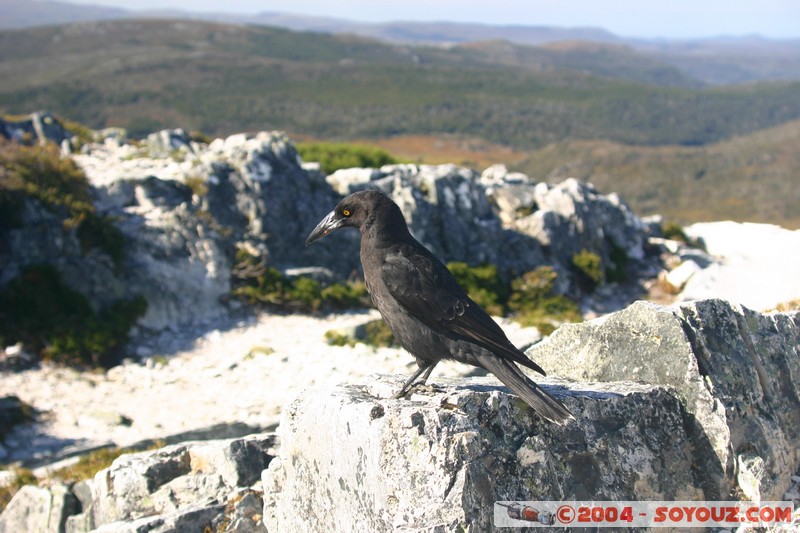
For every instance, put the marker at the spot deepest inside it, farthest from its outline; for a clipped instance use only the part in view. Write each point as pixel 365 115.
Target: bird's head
pixel 354 211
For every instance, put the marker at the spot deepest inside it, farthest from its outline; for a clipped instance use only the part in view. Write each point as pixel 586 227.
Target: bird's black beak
pixel 330 223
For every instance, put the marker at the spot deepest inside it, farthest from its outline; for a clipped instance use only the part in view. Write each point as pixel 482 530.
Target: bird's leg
pixel 410 382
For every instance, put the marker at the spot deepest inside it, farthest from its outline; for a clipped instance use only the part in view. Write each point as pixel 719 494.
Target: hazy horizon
pixel 675 19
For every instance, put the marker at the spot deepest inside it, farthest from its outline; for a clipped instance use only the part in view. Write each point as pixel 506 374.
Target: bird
pixel 430 314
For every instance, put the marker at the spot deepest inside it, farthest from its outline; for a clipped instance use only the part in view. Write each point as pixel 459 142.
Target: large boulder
pixel 439 461
pixel 735 370
pixel 712 417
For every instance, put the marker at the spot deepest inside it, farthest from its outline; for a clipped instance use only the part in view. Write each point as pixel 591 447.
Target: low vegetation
pixel 85 468
pixel 22 477
pixel 90 464
pixel 534 301
pixel 335 156
pixel 37 308
pixel 345 87
pixel 590 269
pixel 530 299
pixel 785 307
pixel 58 323
pixel 255 283
pixel 483 284
pixel 751 178
pixel 373 333
pixel 40 173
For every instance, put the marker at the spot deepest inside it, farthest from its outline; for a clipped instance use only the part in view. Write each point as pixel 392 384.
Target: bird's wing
pixel 424 287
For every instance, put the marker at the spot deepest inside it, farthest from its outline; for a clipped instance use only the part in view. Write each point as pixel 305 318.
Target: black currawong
pixel 430 314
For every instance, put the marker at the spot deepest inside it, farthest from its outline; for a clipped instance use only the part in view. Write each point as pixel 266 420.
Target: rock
pixel 41 127
pixel 713 417
pixel 439 461
pixel 191 518
pixel 182 482
pixel 243 514
pixel 38 509
pixel 731 367
pixel 184 208
pixel 509 220
pixel 16 357
pixel 680 275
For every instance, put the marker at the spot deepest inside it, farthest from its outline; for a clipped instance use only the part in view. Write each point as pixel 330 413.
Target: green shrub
pixel 39 172
pixel 197 184
pixel 674 231
pixel 199 137
pixel 530 298
pixel 377 333
pixel 350 295
pixel 39 310
pixel 82 133
pixel 100 232
pixel 332 156
pixel 337 338
pixel 373 333
pixel 590 269
pixel 257 284
pixel 483 284
pixel 535 303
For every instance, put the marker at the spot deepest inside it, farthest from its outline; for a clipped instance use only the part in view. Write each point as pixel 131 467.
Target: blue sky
pixel 629 18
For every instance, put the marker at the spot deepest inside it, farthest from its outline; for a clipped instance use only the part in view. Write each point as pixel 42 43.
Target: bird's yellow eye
pixel 346 212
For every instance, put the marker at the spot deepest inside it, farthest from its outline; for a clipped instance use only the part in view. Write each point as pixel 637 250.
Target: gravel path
pixel 244 375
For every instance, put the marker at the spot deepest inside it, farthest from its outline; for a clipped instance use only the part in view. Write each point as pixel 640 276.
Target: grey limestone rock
pixel 736 371
pixel 352 459
pixel 508 219
pixel 41 126
pixel 185 209
pixel 181 487
pixel 697 402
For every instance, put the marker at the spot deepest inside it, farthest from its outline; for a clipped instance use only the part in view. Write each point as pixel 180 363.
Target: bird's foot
pixel 420 388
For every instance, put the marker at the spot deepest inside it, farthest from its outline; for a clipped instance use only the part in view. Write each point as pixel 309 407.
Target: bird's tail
pixel 541 402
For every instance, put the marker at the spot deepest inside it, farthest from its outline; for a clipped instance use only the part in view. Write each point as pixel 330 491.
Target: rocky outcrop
pixel 510 220
pixel 194 486
pixel 185 207
pixel 439 461
pixel 39 127
pixel 183 210
pixel 713 417
pixel 691 402
pixel 734 370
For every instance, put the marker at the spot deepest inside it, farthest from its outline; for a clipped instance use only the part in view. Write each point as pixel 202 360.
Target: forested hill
pixel 219 79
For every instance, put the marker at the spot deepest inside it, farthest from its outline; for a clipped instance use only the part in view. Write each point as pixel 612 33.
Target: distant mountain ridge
pixel 146 75
pixel 713 60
